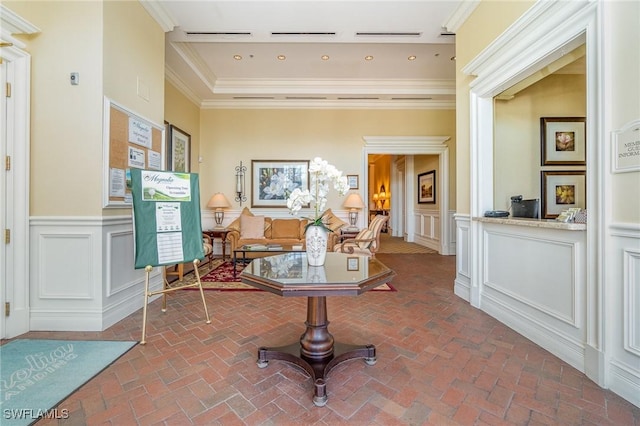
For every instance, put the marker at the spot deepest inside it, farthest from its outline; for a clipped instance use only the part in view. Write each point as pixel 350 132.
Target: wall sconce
pixel 353 203
pixel 383 196
pixel 240 173
pixel 375 201
pixel 218 202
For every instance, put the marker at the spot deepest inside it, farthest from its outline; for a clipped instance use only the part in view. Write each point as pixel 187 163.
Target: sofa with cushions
pixel 250 228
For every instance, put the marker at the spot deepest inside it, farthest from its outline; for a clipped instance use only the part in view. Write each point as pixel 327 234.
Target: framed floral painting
pixel 273 180
pixel 562 190
pixel 563 141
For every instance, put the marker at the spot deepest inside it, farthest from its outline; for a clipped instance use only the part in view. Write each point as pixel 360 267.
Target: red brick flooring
pixel 440 362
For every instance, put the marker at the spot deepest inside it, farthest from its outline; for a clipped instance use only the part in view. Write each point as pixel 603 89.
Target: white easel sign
pixel 626 146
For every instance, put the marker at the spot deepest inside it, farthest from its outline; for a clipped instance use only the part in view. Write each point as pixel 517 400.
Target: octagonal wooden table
pixel 290 275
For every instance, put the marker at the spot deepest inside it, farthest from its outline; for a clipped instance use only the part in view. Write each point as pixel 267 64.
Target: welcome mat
pixel 36 375
pixel 221 278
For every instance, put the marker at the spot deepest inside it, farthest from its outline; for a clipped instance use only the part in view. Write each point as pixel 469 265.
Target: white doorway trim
pixel 413 145
pixel 14 185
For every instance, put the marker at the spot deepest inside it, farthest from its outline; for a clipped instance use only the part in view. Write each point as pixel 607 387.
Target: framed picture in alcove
pixel 563 141
pixel 427 187
pixel 562 190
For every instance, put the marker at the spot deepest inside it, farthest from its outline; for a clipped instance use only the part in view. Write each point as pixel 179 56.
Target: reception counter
pixel 531 274
pixel 534 223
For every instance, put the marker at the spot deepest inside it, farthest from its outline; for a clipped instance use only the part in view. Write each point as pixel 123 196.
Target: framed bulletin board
pixel 130 141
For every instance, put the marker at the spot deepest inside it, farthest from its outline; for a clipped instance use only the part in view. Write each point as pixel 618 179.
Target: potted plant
pixel 321 176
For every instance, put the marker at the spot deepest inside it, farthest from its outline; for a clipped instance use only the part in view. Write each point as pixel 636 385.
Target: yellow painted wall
pixel 486 23
pixel 134 59
pixel 66 120
pixel 517 164
pixel 426 163
pixel 624 89
pixel 179 111
pixel 231 136
pixel 109 44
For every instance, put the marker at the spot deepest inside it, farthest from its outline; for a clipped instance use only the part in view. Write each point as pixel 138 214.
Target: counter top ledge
pixel 534 223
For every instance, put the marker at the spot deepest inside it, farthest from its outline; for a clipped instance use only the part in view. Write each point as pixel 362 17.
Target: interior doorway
pixel 402 217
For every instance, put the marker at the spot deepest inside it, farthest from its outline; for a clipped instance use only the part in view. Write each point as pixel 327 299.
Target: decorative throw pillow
pixel 235 225
pixel 285 228
pixel 332 221
pixel 251 227
pixel 365 234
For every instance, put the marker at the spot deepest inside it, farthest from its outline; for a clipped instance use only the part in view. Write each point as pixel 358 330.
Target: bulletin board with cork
pixel 130 141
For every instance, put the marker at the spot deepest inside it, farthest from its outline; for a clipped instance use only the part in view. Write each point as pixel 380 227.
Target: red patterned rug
pixel 221 278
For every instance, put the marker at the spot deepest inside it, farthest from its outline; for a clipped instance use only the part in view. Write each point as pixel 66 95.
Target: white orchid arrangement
pixel 322 175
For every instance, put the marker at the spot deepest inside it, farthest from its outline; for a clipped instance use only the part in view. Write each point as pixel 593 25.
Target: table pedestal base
pixel 317 369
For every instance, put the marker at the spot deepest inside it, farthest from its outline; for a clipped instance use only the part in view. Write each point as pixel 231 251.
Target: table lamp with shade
pixel 382 195
pixel 218 202
pixel 375 201
pixel 353 202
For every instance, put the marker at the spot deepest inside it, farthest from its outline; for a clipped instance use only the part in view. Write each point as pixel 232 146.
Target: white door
pixel 3 196
pixel 14 191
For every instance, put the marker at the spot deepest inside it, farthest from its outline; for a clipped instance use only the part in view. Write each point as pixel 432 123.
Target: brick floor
pixel 440 362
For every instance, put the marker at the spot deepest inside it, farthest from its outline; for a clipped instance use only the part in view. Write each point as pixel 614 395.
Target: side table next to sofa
pixel 219 233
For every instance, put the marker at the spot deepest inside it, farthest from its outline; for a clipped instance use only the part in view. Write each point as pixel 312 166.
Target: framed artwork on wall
pixel 562 190
pixel 273 180
pixel 352 180
pixel 563 141
pixel 179 150
pixel 427 187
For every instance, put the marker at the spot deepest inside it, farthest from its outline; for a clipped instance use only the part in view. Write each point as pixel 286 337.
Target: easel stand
pixel 166 289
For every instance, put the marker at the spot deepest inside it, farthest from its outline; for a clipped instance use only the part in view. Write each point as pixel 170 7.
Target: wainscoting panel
pixel 623 307
pixel 534 280
pixel 539 273
pixel 462 285
pixel 61 276
pixel 427 228
pixel 121 275
pixel 81 273
pixel 123 291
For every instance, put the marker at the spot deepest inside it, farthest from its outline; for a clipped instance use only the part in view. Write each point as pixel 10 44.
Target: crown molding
pixel 11 24
pixel 534 41
pixel 334 86
pixel 324 104
pixel 177 82
pixel 460 15
pixel 159 14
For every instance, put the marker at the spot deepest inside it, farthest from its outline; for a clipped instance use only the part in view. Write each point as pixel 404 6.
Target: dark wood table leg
pixel 224 245
pixel 317 353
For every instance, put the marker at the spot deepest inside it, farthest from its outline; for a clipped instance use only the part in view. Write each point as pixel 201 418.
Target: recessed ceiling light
pixel 368 58
pixel 412 57
pixel 325 57
pixel 237 57
pixel 281 57
pixel 436 55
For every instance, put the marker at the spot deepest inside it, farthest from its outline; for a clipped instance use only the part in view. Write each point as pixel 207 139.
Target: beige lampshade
pixel 218 201
pixel 354 201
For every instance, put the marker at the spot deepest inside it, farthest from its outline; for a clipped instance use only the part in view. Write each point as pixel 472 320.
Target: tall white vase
pixel 316 245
